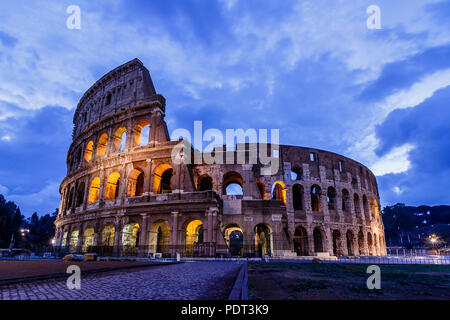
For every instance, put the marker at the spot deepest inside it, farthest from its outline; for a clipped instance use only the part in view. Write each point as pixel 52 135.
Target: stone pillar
pixel 143 236
pixel 175 246
pixel 290 216
pixel 101 196
pixel 148 177
pixel 86 193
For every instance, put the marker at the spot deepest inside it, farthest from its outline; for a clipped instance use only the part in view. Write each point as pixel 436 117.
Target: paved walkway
pixel 186 281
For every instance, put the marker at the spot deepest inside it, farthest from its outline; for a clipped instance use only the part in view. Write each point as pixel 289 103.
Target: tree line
pixel 28 233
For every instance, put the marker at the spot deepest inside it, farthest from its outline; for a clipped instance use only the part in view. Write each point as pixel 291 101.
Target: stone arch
pixel 315 198
pixel 234 179
pixel 261 189
pixel 88 151
pixel 163 179
pixel 337 248
pixel 205 183
pixel 142 133
pixel 80 194
pixel 159 237
pixel 362 249
pixel 350 243
pixel 102 145
pixel 120 139
pixel 296 173
pixel 234 237
pixel 345 201
pixel 108 235
pixel 369 244
pixel 112 186
pixel 136 182
pixel 130 235
pixel 301 241
pixel 193 233
pixel 263 239
pixel 357 205
pixel 331 198
pixel 88 238
pixel 74 235
pixel 371 208
pixel 279 191
pixel 94 190
pixel 297 196
pixel 366 208
pixel 318 236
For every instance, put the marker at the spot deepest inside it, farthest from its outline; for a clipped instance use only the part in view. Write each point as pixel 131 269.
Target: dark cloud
pixel 427 127
pixel 7 40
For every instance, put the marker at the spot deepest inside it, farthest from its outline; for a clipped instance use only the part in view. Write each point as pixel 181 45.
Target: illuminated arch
pixel 162 179
pixel 102 144
pixel 112 186
pixel 263 239
pixel 88 151
pixel 130 235
pixel 88 239
pixel 94 190
pixel 136 183
pixel 159 238
pixel 119 139
pixel 142 133
pixel 108 234
pixel 279 191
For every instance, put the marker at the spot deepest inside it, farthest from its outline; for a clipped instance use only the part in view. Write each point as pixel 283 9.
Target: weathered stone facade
pixel 124 193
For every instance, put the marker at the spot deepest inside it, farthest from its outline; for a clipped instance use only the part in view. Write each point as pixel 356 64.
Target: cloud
pixel 396 161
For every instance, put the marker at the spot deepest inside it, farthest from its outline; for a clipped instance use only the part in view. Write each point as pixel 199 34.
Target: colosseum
pixel 125 195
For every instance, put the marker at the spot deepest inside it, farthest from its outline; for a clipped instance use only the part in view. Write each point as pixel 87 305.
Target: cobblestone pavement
pixel 186 281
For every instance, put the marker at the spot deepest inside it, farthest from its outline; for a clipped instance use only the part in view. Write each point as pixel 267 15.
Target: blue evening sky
pixel 309 68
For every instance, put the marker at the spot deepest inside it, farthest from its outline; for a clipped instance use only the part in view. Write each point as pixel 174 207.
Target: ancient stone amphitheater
pixel 125 195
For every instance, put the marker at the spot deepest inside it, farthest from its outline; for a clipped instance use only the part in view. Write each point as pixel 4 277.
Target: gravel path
pixel 186 281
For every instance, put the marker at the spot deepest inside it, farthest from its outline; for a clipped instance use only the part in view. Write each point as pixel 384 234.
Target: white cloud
pixel 3 190
pixel 396 161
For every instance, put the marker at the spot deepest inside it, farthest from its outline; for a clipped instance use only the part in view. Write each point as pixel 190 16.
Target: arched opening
pixel 205 183
pixel 301 241
pixel 108 235
pixel 337 250
pixel 315 198
pixel 88 239
pixel 263 240
pixel 297 196
pixel 362 250
pixel 69 199
pixel 80 194
pixel 376 209
pixel 318 242
pixel 194 234
pixel 135 183
pixel 369 244
pixel 142 133
pixel 112 186
pixel 101 145
pixel 357 205
pixel 372 208
pixel 74 240
pixel 232 184
pixel 296 173
pixel 159 237
pixel 234 237
pixel 261 189
pixel 94 190
pixel 130 235
pixel 88 151
pixel 331 198
pixel 279 191
pixel 162 179
pixel 366 208
pixel 64 239
pixel 345 201
pixel 120 139
pixel 350 248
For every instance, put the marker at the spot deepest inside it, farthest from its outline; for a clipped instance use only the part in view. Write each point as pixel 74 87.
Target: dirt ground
pixel 14 269
pixel 306 281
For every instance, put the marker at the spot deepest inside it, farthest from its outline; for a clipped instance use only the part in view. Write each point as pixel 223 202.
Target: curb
pixel 239 291
pixel 9 281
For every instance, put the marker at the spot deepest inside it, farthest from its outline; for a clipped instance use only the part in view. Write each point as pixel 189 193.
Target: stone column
pixel 175 246
pixel 148 177
pixel 143 235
